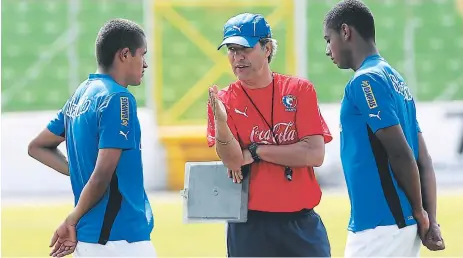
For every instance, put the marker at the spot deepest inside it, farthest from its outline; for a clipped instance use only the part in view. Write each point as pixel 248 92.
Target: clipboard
pixel 210 196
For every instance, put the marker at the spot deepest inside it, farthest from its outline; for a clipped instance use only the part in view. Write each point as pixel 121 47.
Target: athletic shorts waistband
pixel 253 214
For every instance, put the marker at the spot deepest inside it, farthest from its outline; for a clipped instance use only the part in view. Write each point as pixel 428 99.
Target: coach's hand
pixel 236 175
pixel 64 241
pixel 220 113
pixel 422 218
pixel 433 240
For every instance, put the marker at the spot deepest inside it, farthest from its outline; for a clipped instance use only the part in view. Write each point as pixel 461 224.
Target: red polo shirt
pixel 295 116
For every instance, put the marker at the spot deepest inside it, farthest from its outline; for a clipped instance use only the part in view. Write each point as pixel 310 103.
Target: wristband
pixel 253 150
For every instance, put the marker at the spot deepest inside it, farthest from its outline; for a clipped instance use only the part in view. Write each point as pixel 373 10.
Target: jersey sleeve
pixel 309 120
pixel 116 123
pixel 56 125
pixel 211 126
pixel 418 128
pixel 376 103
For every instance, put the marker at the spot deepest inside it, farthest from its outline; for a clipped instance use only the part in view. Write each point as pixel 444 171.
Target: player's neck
pixel 260 81
pixel 363 51
pixel 117 77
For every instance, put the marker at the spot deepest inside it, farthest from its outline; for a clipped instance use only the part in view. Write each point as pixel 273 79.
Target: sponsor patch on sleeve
pixel 124 111
pixel 369 96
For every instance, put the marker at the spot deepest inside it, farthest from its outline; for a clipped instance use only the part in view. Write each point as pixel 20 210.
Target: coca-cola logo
pixel 284 132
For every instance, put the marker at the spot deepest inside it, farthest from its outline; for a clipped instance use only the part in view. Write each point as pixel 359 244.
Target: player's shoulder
pixel 377 69
pixel 367 72
pixel 108 96
pixel 371 75
pixel 115 89
pixel 112 90
pixel 102 85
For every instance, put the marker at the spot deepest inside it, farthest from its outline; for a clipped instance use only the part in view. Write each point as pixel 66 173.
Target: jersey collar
pixel 96 76
pixel 371 58
pixel 99 76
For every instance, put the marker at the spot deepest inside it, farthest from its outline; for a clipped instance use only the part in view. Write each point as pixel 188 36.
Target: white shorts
pixel 115 248
pixel 384 241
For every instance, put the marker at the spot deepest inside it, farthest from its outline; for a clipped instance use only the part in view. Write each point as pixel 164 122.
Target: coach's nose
pixel 238 56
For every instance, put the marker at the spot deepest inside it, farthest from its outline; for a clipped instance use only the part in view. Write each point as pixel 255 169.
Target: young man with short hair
pixel 99 122
pixel 384 156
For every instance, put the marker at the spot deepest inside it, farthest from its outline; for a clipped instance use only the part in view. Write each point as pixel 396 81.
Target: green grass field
pixel 26 231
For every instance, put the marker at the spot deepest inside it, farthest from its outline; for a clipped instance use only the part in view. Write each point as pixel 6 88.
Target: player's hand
pixel 64 240
pixel 247 157
pixel 433 240
pixel 423 223
pixel 218 108
pixel 236 175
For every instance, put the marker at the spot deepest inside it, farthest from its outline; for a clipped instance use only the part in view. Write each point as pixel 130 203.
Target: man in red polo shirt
pixel 272 123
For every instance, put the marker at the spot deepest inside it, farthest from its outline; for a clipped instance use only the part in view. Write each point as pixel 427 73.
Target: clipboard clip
pixel 184 193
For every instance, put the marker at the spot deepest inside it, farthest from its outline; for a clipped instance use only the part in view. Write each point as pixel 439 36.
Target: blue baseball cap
pixel 245 29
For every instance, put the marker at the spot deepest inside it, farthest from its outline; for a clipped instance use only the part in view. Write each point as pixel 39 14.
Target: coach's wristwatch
pixel 253 150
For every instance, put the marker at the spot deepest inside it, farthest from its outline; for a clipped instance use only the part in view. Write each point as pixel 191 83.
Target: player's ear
pixel 345 31
pixel 124 54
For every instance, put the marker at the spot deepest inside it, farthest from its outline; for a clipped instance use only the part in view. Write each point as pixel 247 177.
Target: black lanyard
pixel 270 126
pixel 288 170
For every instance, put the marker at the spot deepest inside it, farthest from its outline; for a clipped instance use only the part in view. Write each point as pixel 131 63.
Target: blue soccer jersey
pixel 376 97
pixel 103 114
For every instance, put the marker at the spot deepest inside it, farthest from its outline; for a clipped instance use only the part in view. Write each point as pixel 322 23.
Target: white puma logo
pixel 375 115
pixel 242 112
pixel 124 134
pixel 237 28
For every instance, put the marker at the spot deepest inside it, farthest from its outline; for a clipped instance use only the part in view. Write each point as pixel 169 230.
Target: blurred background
pixel 48 49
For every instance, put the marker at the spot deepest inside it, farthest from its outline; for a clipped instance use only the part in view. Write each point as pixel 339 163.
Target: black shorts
pixel 300 234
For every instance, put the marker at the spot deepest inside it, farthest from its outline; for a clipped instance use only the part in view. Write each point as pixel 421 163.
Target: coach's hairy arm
pixel 44 148
pixel 227 147
pixel 98 183
pixel 308 152
pixel 403 164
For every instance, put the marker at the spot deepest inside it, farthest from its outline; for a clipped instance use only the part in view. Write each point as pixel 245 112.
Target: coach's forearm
pixel 408 177
pixel 299 154
pixel 51 157
pixel 230 153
